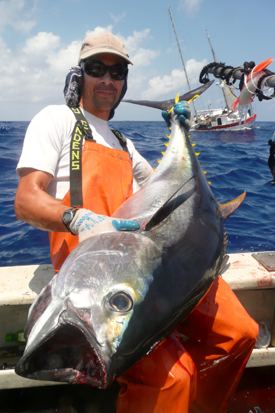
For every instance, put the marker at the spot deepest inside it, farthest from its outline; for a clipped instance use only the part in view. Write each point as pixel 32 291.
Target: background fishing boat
pixel 224 118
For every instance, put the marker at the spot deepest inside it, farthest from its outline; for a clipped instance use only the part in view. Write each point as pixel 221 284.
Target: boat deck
pixel 253 283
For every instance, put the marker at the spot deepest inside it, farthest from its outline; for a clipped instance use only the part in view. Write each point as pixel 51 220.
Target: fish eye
pixel 121 302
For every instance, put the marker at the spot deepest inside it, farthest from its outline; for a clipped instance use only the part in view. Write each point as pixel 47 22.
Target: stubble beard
pixel 106 105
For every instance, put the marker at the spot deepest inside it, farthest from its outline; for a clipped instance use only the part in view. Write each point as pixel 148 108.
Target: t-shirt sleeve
pixel 142 170
pixel 43 142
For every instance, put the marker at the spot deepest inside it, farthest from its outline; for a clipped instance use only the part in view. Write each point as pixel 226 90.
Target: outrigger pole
pixel 236 74
pixel 231 74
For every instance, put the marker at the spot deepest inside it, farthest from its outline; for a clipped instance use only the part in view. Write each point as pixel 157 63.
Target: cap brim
pixel 93 52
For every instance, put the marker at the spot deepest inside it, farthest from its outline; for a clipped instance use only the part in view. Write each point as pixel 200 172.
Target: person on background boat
pixel 74 173
pixel 271 159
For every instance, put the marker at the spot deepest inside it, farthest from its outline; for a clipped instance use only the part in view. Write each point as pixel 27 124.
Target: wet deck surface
pixel 59 399
pixel 256 388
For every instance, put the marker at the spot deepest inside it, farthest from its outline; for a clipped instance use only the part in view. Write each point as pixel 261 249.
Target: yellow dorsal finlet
pixel 205 172
pixel 197 153
pixel 176 101
pixel 193 144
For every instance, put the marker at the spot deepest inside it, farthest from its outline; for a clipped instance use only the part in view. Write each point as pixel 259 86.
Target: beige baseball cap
pixel 102 43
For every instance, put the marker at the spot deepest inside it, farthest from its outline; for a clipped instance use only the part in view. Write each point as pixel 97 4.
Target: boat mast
pixel 172 20
pixel 229 97
pixel 212 50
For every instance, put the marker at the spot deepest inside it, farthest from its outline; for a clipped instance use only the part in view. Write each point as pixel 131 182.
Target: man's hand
pixel 182 109
pixel 86 223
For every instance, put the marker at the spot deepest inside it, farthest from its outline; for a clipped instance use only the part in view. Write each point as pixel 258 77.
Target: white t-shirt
pixel 47 147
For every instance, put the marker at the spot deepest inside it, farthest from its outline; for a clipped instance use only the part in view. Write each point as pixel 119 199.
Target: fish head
pixel 75 335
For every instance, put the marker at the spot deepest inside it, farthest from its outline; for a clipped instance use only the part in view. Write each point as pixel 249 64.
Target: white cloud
pixel 191 6
pixel 165 86
pixel 139 55
pixel 99 29
pixel 41 44
pixel 36 71
pixel 61 60
pixel 33 75
pixel 15 13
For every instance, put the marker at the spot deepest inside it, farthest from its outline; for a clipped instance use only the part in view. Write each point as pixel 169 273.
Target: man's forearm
pixel 34 206
pixel 40 210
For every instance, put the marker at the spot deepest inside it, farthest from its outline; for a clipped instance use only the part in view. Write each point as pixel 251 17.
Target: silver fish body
pixel 119 294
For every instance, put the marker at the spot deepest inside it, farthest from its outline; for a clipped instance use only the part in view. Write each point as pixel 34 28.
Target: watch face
pixel 68 216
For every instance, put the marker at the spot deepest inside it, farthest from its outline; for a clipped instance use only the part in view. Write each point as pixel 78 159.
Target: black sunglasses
pixel 96 68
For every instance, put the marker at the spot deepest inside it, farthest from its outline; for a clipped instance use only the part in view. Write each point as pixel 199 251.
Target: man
pixel 48 197
pixel 271 159
pixel 44 164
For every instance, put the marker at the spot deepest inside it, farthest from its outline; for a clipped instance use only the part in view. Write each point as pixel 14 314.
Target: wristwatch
pixel 68 216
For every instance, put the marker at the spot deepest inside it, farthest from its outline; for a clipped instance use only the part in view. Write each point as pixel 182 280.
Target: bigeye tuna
pixel 119 294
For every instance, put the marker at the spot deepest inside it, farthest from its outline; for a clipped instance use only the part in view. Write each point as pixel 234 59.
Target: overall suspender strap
pixel 81 129
pixel 121 140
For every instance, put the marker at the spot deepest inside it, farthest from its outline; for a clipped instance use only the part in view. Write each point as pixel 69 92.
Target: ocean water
pixel 235 162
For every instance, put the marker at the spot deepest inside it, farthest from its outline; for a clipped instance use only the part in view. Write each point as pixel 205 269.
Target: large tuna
pixel 119 294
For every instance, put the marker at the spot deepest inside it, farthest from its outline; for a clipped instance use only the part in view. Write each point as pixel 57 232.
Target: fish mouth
pixel 65 356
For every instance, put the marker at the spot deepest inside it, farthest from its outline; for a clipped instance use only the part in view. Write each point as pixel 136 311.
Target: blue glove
pixel 86 223
pixel 182 109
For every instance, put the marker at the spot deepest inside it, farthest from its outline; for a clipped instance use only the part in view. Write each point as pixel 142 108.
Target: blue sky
pixel 40 41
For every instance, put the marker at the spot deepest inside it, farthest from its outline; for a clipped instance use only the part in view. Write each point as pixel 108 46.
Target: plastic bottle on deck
pixel 17 337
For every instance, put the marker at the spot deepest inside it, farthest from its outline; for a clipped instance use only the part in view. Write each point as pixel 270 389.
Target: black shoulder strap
pixel 81 129
pixel 121 140
pixel 82 122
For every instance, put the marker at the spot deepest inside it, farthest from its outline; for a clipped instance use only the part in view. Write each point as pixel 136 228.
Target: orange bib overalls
pixel 107 183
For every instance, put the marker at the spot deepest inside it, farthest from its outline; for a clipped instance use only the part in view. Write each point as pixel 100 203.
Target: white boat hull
pixel 225 122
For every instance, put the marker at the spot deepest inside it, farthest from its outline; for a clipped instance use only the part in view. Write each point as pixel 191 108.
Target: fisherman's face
pixel 100 94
